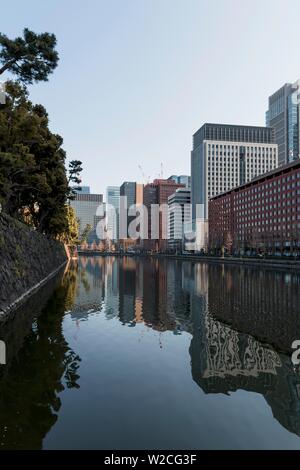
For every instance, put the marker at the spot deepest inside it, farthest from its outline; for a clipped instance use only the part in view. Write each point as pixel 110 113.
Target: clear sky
pixel 137 78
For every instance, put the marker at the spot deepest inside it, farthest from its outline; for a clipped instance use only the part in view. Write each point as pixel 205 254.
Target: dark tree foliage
pixel 34 185
pixel 33 180
pixel 75 168
pixel 31 57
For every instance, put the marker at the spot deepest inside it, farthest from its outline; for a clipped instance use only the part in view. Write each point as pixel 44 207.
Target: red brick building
pixel 157 193
pixel 261 216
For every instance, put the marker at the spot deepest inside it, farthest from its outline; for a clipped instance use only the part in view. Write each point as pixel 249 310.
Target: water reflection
pixel 40 366
pixel 224 361
pixel 181 297
pixel 200 299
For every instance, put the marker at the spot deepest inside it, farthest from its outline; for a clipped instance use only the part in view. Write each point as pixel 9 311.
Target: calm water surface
pixel 153 354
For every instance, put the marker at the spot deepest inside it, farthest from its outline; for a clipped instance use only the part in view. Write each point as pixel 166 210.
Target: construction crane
pixel 160 175
pixel 146 180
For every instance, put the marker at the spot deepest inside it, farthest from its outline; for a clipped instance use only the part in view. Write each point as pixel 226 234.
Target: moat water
pixel 139 353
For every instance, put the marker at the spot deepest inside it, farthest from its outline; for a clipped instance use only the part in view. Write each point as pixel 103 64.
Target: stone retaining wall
pixel 27 259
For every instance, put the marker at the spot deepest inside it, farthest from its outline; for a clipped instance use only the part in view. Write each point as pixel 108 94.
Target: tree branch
pixel 7 65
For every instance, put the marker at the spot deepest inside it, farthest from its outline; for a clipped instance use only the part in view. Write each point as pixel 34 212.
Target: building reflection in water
pixel 196 299
pixel 202 300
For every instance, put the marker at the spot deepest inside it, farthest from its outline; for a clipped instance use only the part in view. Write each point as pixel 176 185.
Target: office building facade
pixel 157 194
pixel 89 210
pixel 181 179
pixel 128 189
pixel 131 194
pixel 113 210
pixel 283 115
pixel 178 215
pixel 262 215
pixel 225 156
pixel 150 198
pixel 127 199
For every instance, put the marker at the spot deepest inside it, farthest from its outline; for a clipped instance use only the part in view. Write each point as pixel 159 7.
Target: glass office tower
pixel 283 115
pixel 113 199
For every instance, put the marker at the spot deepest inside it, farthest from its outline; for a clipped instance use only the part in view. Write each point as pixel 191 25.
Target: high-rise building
pixel 181 179
pixel 283 115
pixel 81 189
pixel 150 198
pixel 225 156
pixel 179 214
pixel 127 195
pixel 128 189
pixel 139 194
pixel 157 193
pixel 88 212
pixel 131 194
pixel 113 209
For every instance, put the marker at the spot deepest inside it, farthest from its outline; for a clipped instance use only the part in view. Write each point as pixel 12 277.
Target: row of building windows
pixel 247 148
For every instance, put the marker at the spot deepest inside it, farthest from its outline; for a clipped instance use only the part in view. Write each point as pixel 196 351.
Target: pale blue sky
pixel 138 77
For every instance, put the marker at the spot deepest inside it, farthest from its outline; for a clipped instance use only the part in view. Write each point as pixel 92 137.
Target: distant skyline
pixel 137 78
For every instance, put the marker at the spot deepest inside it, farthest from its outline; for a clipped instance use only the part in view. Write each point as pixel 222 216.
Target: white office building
pixel 225 156
pixel 179 213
